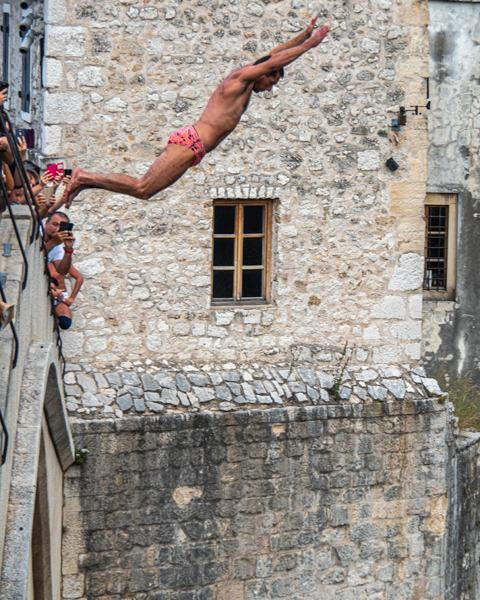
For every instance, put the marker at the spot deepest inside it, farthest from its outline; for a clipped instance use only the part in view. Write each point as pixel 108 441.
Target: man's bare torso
pixel 223 111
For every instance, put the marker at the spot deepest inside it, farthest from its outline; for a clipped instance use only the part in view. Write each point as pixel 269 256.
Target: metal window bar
pixel 436 248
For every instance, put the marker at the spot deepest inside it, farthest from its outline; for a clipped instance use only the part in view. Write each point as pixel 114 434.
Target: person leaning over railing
pixel 58 244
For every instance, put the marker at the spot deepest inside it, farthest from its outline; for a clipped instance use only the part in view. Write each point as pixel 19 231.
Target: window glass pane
pixel 223 252
pixel 224 220
pixel 253 251
pixel 223 284
pixel 252 284
pixel 253 219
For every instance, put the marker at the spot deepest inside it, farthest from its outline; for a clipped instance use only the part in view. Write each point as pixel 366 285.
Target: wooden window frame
pixel 238 267
pixel 450 200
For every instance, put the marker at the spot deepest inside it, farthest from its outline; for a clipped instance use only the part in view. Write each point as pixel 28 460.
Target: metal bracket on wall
pixel 7 250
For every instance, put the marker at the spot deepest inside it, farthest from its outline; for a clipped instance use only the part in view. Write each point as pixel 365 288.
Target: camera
pixel 65 226
pixel 24 4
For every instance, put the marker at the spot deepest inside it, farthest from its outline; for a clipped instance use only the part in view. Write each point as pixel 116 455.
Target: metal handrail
pixel 12 327
pixel 15 227
pixel 5 447
pixel 36 231
pixel 17 159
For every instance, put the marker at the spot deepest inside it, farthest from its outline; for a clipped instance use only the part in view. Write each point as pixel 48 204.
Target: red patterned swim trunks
pixel 188 136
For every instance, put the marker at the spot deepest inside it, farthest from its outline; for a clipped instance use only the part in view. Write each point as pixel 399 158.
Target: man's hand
pixel 3 96
pixel 60 237
pixel 319 35
pixel 57 181
pixel 68 301
pixel 22 146
pixel 310 28
pixel 46 178
pixel 69 241
pixel 40 200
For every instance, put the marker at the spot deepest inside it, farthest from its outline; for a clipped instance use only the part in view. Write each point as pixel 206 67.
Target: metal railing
pixel 37 231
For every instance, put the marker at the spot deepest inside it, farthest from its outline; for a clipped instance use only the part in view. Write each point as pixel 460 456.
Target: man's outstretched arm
pixel 299 39
pixel 281 59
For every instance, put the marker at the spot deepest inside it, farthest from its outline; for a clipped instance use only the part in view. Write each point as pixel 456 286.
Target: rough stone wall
pixel 337 502
pixel 463 520
pixel 451 336
pixel 122 76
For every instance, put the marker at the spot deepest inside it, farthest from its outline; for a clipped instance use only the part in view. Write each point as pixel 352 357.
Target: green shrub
pixel 465 396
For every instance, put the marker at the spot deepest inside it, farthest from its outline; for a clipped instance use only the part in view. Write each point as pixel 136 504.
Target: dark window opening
pixel 6 46
pixel 436 247
pixel 25 93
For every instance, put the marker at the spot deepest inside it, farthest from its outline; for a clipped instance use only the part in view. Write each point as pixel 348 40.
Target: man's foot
pixel 74 187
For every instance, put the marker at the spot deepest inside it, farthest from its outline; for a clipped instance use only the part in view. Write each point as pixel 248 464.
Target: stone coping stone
pixel 147 388
pixel 272 416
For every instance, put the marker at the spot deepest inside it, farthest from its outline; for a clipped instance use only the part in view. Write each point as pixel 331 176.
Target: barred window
pixel 440 234
pixel 436 247
pixel 241 249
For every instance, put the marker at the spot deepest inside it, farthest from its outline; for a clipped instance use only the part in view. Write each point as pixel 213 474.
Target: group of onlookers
pixel 66 281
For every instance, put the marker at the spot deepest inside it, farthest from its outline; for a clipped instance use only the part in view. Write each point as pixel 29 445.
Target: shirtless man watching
pixel 187 146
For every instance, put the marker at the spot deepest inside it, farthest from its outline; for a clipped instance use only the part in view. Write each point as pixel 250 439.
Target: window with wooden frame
pixel 241 251
pixel 440 246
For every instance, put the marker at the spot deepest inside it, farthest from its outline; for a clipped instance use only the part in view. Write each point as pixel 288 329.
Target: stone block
pixel 64 108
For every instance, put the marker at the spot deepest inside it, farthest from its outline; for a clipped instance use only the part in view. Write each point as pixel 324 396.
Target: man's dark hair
pixel 264 59
pixel 54 281
pixel 59 212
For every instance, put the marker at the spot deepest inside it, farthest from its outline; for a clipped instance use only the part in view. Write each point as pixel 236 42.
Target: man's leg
pixel 168 167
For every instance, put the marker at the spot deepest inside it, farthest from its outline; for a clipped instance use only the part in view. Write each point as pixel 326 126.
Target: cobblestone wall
pixel 348 233
pixel 342 502
pixel 153 388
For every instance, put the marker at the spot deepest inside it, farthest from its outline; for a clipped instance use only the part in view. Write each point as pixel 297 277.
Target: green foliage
pixel 80 456
pixel 465 396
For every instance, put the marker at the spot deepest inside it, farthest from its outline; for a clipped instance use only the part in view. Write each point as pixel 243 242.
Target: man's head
pixel 266 82
pixel 17 196
pixel 52 224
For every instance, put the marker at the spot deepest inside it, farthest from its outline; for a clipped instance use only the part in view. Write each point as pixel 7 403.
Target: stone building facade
pixel 347 233
pixel 450 330
pixel 281 445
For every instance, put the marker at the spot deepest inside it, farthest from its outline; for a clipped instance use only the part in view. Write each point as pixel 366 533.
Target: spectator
pixel 59 244
pixel 62 308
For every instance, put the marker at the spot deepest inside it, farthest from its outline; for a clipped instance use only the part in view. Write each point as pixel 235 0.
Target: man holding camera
pixel 59 241
pixel 187 146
